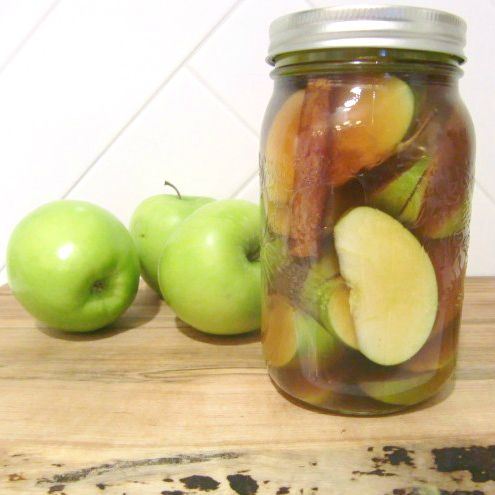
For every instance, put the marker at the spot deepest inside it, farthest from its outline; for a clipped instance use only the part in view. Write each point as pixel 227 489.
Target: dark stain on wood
pixel 375 472
pixel 393 456
pixel 314 463
pixel 173 492
pixel 57 464
pixel 201 483
pixel 397 455
pixel 101 486
pixel 56 488
pixel 283 490
pixel 478 461
pixel 242 484
pixel 168 480
pixel 81 474
pixel 16 477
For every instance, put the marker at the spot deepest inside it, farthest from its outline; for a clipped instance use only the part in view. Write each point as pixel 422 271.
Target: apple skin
pixel 209 272
pixel 73 266
pixel 152 223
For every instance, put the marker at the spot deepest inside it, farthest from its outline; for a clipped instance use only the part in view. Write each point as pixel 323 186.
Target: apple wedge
pixel 317 348
pixel 325 296
pixel 371 119
pixel 287 332
pixel 335 312
pixel 402 196
pixel 393 288
pixel 278 332
pixel 280 150
pixel 410 390
pixel 319 273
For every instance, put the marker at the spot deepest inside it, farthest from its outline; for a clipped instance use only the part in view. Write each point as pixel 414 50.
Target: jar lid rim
pixel 377 26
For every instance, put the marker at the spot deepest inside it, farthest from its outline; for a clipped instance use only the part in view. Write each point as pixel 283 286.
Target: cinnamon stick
pixel 311 170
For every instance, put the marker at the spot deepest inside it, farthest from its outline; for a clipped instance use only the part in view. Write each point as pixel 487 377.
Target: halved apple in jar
pixel 371 118
pixel 393 293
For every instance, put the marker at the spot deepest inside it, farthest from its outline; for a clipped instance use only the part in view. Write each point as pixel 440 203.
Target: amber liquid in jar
pixel 366 179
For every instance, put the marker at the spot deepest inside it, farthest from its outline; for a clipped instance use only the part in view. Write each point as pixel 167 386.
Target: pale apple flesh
pixel 335 312
pixel 393 288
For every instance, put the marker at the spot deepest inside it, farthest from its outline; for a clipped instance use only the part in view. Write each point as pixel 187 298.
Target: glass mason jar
pixel 366 168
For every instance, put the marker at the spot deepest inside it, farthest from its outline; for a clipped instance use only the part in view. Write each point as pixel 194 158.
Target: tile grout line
pixel 28 36
pixel 152 96
pixel 219 97
pixel 485 192
pixel 234 112
pixel 244 184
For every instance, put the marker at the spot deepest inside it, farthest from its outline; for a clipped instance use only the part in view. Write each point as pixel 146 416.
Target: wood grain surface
pixel 151 406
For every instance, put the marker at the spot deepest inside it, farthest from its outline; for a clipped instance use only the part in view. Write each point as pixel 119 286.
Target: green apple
pixel 73 265
pixel 151 225
pixel 393 287
pixel 209 272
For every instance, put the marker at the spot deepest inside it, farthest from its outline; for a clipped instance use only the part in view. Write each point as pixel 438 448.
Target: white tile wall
pixel 104 99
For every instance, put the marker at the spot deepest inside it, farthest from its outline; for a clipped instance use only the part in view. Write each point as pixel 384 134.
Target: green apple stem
pixel 167 183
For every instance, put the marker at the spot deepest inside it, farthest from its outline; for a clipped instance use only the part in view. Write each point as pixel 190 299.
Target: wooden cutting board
pixel 151 406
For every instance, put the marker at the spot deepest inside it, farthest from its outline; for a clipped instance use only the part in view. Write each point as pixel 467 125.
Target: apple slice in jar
pixel 278 332
pixel 408 390
pixel 402 196
pixel 433 195
pixel 317 347
pixel 279 158
pixel 372 117
pixel 288 332
pixel 393 288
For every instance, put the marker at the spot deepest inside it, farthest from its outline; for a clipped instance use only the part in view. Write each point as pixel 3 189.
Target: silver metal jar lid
pixel 378 26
